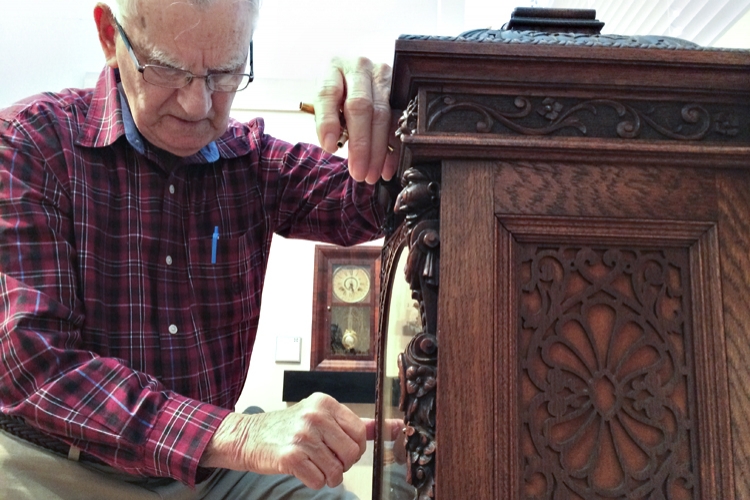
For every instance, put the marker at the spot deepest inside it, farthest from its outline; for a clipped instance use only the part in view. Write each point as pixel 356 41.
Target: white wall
pixel 46 45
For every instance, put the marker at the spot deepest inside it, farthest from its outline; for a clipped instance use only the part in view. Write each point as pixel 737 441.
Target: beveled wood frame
pixel 708 349
pixel 327 257
pixel 394 245
pixel 496 241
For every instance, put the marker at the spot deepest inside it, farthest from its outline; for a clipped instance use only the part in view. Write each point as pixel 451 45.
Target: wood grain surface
pixel 605 191
pixel 466 357
pixel 734 241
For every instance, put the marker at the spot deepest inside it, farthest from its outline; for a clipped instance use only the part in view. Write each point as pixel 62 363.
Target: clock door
pixel 345 307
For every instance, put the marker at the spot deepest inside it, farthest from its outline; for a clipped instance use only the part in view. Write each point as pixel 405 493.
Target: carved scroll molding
pixel 606 118
pixel 419 203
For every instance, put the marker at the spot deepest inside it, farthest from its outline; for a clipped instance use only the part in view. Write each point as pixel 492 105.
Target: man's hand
pixel 316 440
pixel 360 89
pixel 393 431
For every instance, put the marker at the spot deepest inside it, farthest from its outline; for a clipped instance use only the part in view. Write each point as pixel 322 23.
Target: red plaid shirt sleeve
pixel 118 331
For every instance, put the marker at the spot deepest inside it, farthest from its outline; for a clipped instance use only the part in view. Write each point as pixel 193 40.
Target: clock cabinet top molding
pixel 570 96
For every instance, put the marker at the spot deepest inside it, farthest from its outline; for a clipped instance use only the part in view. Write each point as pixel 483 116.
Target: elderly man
pixel 135 225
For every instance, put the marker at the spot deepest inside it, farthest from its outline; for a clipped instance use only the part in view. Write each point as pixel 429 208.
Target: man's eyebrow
pixel 156 56
pixel 232 66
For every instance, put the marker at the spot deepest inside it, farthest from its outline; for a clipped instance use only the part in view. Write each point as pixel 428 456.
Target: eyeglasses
pixel 173 78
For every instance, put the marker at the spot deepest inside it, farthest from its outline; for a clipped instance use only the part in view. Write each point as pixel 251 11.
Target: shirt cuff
pixel 179 437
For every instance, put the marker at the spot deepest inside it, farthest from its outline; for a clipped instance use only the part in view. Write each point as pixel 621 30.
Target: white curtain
pixel 699 21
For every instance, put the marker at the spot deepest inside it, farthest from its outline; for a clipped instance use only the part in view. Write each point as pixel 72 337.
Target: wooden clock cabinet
pixel 574 226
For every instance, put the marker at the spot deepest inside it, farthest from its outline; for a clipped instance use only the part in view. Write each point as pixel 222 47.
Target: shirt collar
pixel 103 124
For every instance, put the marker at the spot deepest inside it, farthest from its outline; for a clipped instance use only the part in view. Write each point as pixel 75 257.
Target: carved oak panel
pixel 618 374
pixel 607 394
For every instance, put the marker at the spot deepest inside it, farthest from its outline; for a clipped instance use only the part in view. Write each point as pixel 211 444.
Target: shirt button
pixel 171 188
pixel 169 260
pixel 172 329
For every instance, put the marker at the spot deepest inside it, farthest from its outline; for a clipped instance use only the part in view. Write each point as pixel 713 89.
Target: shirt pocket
pixel 219 286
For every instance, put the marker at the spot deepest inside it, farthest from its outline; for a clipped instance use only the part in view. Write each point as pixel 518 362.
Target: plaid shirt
pixel 118 332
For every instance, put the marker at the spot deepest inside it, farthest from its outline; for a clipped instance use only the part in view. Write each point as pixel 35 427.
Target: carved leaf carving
pixel 419 204
pixel 625 120
pixel 576 39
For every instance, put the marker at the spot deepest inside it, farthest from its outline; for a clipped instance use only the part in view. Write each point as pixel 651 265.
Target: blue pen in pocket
pixel 214 242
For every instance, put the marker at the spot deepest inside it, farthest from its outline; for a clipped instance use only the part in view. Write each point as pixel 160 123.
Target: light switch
pixel 288 349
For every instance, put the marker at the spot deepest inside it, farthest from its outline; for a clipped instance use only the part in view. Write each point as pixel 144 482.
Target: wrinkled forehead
pixel 167 27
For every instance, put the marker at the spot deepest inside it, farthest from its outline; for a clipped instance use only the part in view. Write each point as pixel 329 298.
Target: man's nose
pixel 195 98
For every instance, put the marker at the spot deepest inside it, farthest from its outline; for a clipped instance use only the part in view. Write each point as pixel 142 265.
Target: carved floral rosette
pixel 419 203
pixel 608 408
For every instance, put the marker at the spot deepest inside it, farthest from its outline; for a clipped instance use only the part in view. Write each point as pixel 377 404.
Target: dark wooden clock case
pixel 577 208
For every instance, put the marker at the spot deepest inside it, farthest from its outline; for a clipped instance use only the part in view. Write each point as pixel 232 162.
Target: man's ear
pixel 105 26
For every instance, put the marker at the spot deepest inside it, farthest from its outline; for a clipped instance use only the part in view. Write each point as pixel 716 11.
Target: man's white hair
pixel 127 9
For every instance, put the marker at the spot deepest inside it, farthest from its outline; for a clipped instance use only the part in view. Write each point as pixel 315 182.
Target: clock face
pixel 351 283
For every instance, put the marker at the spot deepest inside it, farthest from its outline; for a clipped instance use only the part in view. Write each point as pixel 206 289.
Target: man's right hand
pixel 316 440
pixel 361 89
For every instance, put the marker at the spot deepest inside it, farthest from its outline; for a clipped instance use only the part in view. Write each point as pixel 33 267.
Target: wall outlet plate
pixel 288 349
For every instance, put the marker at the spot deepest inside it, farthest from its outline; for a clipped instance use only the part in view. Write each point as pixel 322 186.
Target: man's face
pixel 199 40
